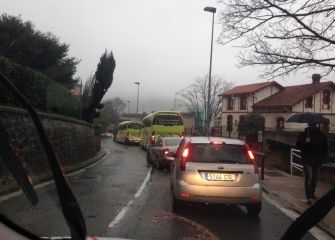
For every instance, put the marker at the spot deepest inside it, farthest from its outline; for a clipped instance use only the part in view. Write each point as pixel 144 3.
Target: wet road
pixel 121 197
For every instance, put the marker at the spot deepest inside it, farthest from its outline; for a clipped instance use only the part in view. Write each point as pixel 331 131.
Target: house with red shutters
pixel 276 103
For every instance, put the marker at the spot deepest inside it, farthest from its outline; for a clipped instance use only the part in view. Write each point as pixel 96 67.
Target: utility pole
pixel 138 93
pixel 212 10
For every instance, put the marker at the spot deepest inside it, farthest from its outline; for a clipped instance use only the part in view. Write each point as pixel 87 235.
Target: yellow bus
pixel 128 132
pixel 161 123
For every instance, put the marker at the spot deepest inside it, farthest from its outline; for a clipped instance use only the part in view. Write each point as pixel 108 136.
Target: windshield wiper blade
pixel 311 216
pixel 8 156
pixel 68 202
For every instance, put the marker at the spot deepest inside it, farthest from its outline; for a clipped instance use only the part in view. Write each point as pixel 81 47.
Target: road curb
pixel 321 224
pixel 13 191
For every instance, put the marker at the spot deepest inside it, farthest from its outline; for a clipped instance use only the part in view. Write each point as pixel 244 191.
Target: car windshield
pixel 218 153
pixel 105 107
pixel 172 141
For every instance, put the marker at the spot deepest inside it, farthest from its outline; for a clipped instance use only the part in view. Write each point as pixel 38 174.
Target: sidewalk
pixel 289 192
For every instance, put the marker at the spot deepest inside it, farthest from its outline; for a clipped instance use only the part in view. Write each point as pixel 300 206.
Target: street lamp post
pixel 212 10
pixel 138 93
pixel 128 103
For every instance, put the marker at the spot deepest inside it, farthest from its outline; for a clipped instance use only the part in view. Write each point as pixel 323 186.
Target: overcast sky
pixel 163 44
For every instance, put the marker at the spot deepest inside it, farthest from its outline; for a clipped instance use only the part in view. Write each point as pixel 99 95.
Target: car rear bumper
pixel 166 161
pixel 218 194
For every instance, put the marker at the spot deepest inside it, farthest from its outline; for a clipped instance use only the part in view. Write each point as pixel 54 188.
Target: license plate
pixel 220 177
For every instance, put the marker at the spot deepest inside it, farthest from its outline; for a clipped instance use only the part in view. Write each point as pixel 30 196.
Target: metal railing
pixel 298 165
pixel 328 164
pixel 293 164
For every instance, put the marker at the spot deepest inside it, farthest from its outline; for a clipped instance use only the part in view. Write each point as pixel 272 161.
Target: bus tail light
pixel 153 138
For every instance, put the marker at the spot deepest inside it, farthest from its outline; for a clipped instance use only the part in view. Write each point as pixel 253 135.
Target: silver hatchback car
pixel 215 170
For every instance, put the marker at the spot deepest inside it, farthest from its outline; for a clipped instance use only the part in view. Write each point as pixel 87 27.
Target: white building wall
pixel 271 122
pixel 333 101
pixel 236 112
pixel 299 107
pixel 317 101
pixel 326 111
pixel 317 104
pixel 250 102
pixel 271 118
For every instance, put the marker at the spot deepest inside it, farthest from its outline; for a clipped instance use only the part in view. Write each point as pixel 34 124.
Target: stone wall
pixel 72 140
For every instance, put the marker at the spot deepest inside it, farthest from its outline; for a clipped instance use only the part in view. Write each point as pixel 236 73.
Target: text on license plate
pixel 220 177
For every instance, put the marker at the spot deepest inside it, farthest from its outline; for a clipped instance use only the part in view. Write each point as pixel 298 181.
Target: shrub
pixel 43 93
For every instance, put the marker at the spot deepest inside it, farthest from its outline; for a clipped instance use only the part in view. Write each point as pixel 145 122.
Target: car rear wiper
pixel 68 202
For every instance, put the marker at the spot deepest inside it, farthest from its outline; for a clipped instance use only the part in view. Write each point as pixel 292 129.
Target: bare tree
pixel 284 36
pixel 195 95
pixel 114 107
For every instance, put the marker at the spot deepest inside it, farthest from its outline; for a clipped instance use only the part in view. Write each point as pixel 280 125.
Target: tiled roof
pixel 290 96
pixel 250 88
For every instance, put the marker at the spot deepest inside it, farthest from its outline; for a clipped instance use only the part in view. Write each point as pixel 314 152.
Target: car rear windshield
pixel 172 142
pixel 167 120
pixel 218 153
pixel 134 126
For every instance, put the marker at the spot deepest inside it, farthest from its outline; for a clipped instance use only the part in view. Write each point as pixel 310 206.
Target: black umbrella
pixel 307 117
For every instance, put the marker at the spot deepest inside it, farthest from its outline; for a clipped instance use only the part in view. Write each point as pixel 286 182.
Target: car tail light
pixel 185 152
pixel 184 158
pixel 153 138
pixel 185 195
pixel 165 151
pixel 251 158
pixel 251 155
pixel 254 198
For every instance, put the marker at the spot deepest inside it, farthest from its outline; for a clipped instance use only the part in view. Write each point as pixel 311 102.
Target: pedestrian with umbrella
pixel 314 149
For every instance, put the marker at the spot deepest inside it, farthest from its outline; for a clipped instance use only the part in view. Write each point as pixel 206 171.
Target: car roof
pixel 233 141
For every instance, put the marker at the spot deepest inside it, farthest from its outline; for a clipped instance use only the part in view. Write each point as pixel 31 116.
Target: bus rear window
pixel 167 120
pixel 134 126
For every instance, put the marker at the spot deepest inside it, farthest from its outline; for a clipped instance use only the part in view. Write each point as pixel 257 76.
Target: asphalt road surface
pixel 122 197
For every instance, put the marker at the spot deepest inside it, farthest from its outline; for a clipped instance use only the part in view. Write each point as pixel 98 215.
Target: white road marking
pixel 121 214
pixel 140 190
pixel 125 209
pixel 315 231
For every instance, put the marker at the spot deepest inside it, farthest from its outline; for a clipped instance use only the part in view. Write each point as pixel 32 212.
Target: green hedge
pixel 42 92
